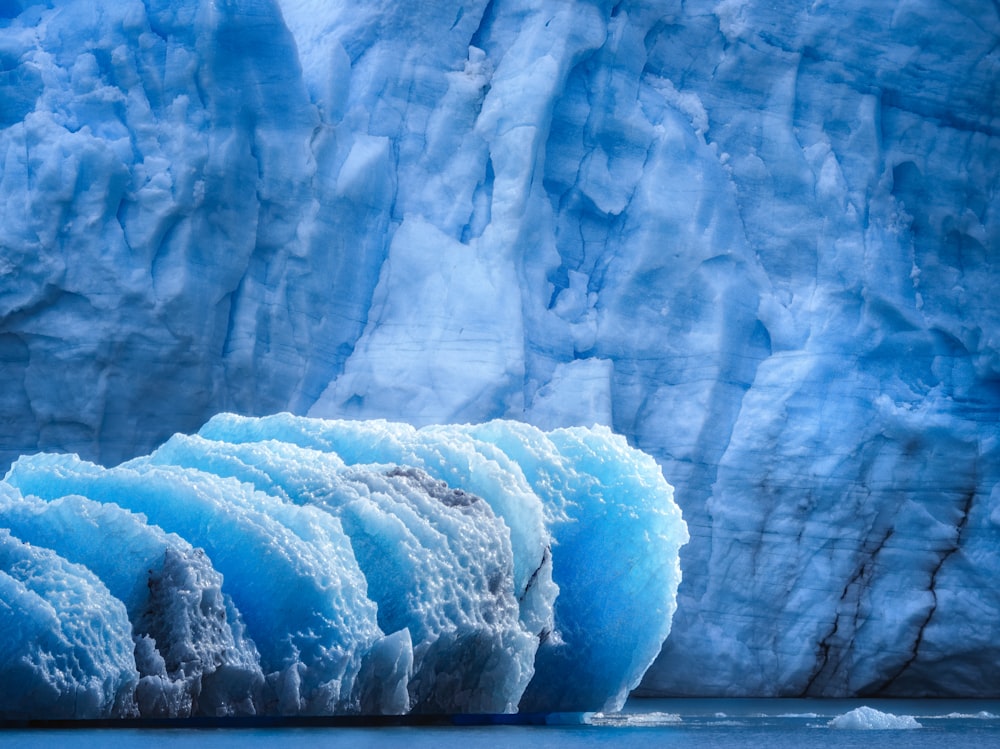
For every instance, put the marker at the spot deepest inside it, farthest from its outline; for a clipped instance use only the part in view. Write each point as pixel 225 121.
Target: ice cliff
pixel 759 239
pixel 297 566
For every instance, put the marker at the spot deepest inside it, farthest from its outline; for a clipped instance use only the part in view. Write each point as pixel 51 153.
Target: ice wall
pixel 756 238
pixel 289 566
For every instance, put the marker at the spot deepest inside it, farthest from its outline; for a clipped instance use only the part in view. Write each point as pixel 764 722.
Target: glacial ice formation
pixel 757 237
pixel 297 566
pixel 866 718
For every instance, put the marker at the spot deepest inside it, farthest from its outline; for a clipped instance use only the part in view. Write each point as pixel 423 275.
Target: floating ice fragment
pixel 627 720
pixel 981 715
pixel 868 719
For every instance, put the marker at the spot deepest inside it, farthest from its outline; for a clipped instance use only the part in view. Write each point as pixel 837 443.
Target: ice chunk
pixel 598 500
pixel 385 674
pixel 869 719
pixel 630 720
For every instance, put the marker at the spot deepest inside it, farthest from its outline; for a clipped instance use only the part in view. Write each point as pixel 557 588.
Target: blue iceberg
pixel 294 566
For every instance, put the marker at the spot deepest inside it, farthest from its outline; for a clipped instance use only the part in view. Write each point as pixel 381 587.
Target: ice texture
pixel 290 570
pixel 437 561
pixel 287 565
pixel 555 491
pixel 191 653
pixel 757 238
pixel 65 641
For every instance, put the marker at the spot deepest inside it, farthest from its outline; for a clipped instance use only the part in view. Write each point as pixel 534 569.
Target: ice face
pixel 66 644
pixel 437 561
pixel 756 238
pixel 571 497
pixel 290 570
pixel 590 480
pixel 446 454
pixel 192 656
pixel 284 566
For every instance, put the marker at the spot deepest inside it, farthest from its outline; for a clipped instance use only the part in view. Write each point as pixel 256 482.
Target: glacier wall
pixel 294 566
pixel 757 238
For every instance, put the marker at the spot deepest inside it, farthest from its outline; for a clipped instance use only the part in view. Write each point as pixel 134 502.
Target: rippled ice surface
pixel 692 724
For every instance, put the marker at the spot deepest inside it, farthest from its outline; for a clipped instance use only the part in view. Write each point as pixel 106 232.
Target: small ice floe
pixel 981 715
pixel 798 715
pixel 628 720
pixel 868 718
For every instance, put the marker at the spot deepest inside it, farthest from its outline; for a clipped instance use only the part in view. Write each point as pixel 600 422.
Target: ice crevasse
pixel 294 566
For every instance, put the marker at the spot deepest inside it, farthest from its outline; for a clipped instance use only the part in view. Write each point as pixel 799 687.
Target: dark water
pixel 692 724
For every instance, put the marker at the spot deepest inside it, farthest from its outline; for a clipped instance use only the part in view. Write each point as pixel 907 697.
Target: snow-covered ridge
pixel 757 238
pixel 295 566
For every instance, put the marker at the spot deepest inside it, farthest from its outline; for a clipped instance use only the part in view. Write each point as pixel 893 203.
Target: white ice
pixel 869 719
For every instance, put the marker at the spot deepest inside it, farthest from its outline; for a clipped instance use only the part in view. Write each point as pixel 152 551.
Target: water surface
pixel 692 724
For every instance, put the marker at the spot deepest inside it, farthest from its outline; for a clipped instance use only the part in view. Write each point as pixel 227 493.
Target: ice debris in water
pixel 296 566
pixel 981 715
pixel 627 720
pixel 868 718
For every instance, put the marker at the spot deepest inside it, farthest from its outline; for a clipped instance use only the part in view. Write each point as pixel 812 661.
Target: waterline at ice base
pixel 292 566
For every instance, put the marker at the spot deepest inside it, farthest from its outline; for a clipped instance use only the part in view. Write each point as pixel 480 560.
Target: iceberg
pixel 757 238
pixel 297 566
pixel 866 718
